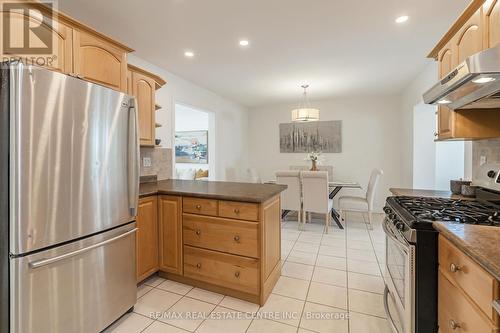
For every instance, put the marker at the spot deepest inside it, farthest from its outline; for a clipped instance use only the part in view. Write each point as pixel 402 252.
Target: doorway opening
pixel 194 143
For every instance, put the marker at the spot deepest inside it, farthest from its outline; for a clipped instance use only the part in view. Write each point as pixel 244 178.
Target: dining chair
pixel 362 204
pixel 291 198
pixel 315 195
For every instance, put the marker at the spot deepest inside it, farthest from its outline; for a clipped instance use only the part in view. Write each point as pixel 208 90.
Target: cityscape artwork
pixel 318 136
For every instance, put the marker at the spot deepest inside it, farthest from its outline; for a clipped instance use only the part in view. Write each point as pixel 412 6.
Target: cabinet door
pixel 470 37
pixel 492 24
pixel 98 61
pixel 445 115
pixel 170 214
pixel 147 237
pixel 144 91
pixel 60 58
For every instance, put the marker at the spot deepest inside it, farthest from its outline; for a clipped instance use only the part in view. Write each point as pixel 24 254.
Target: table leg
pixel 334 192
pixel 335 217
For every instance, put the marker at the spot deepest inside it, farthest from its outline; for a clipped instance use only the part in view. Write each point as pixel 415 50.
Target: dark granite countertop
pixel 247 192
pixel 481 243
pixel 410 192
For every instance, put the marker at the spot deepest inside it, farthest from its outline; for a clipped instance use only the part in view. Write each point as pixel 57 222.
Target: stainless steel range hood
pixel 474 84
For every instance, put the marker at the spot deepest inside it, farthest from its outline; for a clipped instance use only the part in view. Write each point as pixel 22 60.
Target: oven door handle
pixel 387 312
pixel 389 234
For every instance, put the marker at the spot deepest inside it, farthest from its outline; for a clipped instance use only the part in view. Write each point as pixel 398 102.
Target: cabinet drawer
pixel 230 271
pixel 200 206
pixel 239 210
pixel 236 237
pixel 456 314
pixel 478 284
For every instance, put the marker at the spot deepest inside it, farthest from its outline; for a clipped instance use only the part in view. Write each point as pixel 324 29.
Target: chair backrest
pixel 327 168
pixel 253 176
pixel 315 191
pixel 291 197
pixel 372 186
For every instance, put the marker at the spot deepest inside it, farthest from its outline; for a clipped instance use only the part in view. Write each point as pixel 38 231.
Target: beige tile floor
pixel 335 275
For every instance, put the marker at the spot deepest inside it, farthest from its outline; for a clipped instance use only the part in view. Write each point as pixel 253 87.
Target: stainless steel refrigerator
pixel 69 159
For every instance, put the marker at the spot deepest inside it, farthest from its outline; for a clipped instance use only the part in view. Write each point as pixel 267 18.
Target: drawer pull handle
pixel 237 274
pixel 237 239
pixel 236 211
pixel 198 232
pixel 198 265
pixel 198 207
pixel 454 325
pixel 455 268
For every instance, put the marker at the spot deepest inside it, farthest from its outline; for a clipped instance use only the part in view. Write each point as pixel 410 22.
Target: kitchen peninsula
pixel 220 236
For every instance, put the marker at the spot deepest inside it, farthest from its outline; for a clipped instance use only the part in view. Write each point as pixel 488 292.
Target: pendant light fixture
pixel 305 112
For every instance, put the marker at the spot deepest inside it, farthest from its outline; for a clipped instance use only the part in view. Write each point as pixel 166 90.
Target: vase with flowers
pixel 315 158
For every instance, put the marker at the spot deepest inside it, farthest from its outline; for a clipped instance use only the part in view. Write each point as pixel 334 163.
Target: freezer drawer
pixel 79 287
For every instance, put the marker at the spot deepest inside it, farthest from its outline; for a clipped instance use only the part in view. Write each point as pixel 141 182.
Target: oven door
pixel 400 280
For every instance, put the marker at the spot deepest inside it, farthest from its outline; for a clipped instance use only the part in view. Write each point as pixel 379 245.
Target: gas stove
pixel 412 247
pixel 419 212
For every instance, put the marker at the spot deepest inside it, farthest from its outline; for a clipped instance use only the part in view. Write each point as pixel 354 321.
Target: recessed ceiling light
pixel 402 19
pixel 444 101
pixel 482 80
pixel 244 42
pixel 189 54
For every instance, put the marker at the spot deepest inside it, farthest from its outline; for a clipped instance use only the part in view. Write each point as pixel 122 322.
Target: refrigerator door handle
pixel 45 262
pixel 133 158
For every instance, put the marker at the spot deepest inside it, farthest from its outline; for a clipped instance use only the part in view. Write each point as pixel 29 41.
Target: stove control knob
pixel 387 210
pixel 492 174
pixel 400 226
pixel 392 216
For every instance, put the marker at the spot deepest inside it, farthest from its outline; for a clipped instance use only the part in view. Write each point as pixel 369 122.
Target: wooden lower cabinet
pixel 466 293
pixel 147 237
pixel 229 247
pixel 170 233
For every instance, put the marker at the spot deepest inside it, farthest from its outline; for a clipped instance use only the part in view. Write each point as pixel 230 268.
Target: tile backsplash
pixel 489 148
pixel 161 162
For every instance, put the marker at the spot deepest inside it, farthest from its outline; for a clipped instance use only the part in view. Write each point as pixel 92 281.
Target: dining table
pixel 334 187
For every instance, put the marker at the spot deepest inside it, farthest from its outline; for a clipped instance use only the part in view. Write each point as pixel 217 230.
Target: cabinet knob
pixel 436 134
pixel 198 232
pixel 237 238
pixel 236 211
pixel 198 265
pixel 454 325
pixel 237 274
pixel 455 268
pixel 198 207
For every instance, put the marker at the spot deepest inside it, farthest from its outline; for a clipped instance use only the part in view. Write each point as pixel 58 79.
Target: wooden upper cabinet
pixel 99 61
pixel 144 91
pixel 170 225
pixel 147 237
pixel 59 58
pixel 143 85
pixel 470 38
pixel 492 24
pixel 447 63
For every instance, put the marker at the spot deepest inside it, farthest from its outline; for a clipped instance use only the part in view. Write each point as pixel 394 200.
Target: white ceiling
pixel 340 47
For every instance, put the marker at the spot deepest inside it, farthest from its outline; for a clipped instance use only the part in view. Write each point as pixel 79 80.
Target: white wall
pixel 411 97
pixel 231 118
pixel 424 147
pixel 371 135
